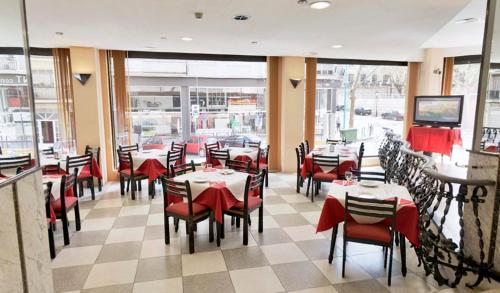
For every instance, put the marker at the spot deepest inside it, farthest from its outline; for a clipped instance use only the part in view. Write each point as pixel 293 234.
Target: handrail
pixel 456 180
pixel 19 176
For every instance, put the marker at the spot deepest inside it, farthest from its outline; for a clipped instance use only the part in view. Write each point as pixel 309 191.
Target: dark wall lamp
pixel 82 77
pixel 295 82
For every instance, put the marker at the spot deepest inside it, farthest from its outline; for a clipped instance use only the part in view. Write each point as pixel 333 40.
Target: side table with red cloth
pixel 434 140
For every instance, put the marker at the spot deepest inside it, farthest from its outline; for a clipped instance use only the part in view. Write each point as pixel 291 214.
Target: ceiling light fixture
pixel 467 20
pixel 254 42
pixel 163 38
pixel 241 17
pixel 59 33
pixel 337 46
pixel 320 4
pixel 186 39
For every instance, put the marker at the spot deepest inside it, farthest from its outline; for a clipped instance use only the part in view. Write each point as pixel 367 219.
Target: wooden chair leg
pixel 267 178
pixel 232 221
pixel 128 185
pixel 211 228
pixel 167 229
pixel 133 187
pixel 332 243
pixel 386 250
pixel 344 256
pixel 191 237
pixel 222 232
pixel 261 219
pixel 313 189
pixel 99 184
pixel 219 229
pixel 80 187
pixel 176 224
pixel 245 230
pixel 122 185
pixel 90 182
pixel 237 222
pixel 78 224
pixel 52 246
pixel 65 228
pixel 139 186
pixel 297 188
pixel 390 267
pixel 249 221
pixel 308 185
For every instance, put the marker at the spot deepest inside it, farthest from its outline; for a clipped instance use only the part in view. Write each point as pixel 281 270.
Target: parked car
pixel 362 111
pixel 339 107
pixel 196 144
pixel 393 115
pixel 238 140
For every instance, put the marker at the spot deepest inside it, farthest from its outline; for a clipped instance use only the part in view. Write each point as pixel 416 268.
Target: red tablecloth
pixel 434 140
pixel 308 166
pixel 406 218
pixel 152 168
pixel 96 170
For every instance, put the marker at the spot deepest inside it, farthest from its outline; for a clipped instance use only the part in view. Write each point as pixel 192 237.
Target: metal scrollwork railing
pixel 446 238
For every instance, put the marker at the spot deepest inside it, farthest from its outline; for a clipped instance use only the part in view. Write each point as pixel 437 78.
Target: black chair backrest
pixel 252 144
pixel 375 208
pixel 79 162
pixel 212 146
pixel 174 156
pixel 179 146
pixel 129 148
pixel 68 182
pixel 96 151
pixel 174 188
pixel 370 175
pixel 49 151
pixel 47 191
pixel 306 144
pixel 1 152
pixel 219 154
pixel 15 162
pixel 176 170
pixel 265 153
pixel 125 161
pixel 240 166
pixel 361 154
pixel 302 151
pixel 332 141
pixel 299 158
pixel 331 162
pixel 254 183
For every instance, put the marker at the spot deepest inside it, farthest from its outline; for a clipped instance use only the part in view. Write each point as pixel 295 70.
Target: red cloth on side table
pixel 218 198
pixel 153 168
pixel 434 140
pixel 406 218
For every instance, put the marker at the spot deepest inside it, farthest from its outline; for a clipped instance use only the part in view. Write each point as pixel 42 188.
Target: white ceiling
pixel 368 29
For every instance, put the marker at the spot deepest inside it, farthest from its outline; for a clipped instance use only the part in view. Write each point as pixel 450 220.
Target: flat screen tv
pixel 438 110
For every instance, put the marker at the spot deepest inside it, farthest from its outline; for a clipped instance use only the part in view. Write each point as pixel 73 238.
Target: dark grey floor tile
pixel 70 278
pixel 289 220
pixel 201 243
pixel 305 207
pixel 367 286
pixel 271 236
pixel 208 283
pixel 158 268
pixel 156 208
pixel 373 264
pixel 126 288
pixel 130 221
pixel 245 257
pixel 119 252
pixel 284 190
pixel 273 200
pixel 317 249
pixel 154 232
pixel 300 275
pixel 103 213
pixel 88 238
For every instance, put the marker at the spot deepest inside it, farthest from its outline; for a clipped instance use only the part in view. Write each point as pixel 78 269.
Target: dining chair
pixel 182 147
pixel 253 199
pixel 240 166
pixel 300 161
pixel 47 191
pixel 217 155
pixel 127 172
pixel 181 169
pixel 370 175
pixel 332 141
pixel 264 164
pixel 67 202
pixel 96 151
pixel 361 154
pixel 209 147
pixel 129 148
pixel 9 163
pixel 48 151
pixel 174 157
pixel 379 234
pixel 302 149
pixel 307 148
pixel 252 144
pixel 190 212
pixel 86 175
pixel 317 175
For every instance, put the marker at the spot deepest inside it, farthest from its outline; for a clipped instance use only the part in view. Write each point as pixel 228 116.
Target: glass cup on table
pixel 348 176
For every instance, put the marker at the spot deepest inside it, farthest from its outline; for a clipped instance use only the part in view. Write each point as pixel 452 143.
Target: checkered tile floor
pixel 120 248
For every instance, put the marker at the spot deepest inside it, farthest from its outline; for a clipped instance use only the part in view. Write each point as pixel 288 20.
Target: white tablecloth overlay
pixel 50 160
pixel 383 191
pixel 344 153
pixel 138 158
pixel 56 184
pixel 234 182
pixel 252 153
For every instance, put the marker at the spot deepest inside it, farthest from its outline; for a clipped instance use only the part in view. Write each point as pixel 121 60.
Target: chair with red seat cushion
pixel 209 147
pixel 250 203
pixel 379 234
pixel 47 192
pixel 218 157
pixel 240 166
pixel 14 163
pixel 300 162
pixel 189 212
pixel 96 151
pixel 174 157
pixel 324 169
pixel 68 201
pixel 86 176
pixel 127 172
pixel 180 146
pixel 264 164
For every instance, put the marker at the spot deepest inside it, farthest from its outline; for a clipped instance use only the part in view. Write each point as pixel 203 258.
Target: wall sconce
pixel 295 82
pixel 437 71
pixel 82 77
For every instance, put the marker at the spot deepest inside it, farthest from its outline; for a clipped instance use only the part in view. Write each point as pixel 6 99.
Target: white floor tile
pixel 134 210
pixel 333 271
pixel 155 219
pixel 97 224
pixel 75 256
pixel 203 263
pixel 109 203
pixel 302 233
pixel 154 248
pixel 112 273
pixel 261 279
pixel 173 285
pixel 283 253
pixel 279 209
pixel 125 235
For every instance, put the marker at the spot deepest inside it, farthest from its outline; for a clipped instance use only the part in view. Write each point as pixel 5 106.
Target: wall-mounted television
pixel 438 110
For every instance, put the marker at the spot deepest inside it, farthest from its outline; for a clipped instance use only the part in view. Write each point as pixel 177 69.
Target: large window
pixel 360 101
pixel 195 101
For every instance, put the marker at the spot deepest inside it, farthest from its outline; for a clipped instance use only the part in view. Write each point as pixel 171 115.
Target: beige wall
pixel 292 110
pixel 88 101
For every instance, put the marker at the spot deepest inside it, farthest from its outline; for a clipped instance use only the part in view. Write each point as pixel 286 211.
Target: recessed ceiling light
pixel 186 39
pixel 320 4
pixel 337 46
pixel 467 20
pixel 254 42
pixel 241 17
pixel 163 38
pixel 59 33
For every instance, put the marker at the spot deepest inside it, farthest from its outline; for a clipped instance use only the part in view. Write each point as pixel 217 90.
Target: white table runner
pixel 234 182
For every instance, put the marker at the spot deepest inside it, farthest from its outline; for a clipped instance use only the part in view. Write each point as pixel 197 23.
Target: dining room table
pixel 348 158
pixel 407 217
pixel 152 162
pixel 60 160
pixel 239 154
pixel 55 192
